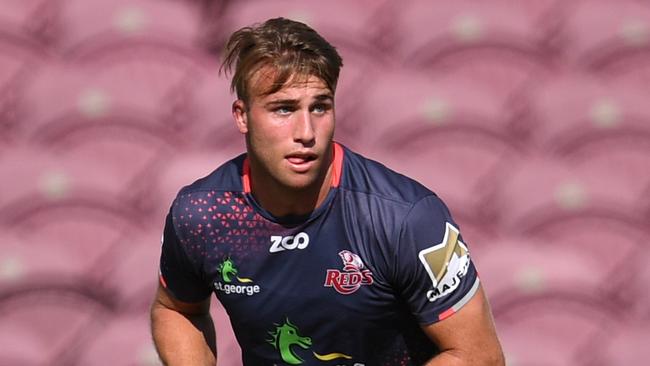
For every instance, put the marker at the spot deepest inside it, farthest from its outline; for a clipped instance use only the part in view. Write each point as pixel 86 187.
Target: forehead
pixel 264 80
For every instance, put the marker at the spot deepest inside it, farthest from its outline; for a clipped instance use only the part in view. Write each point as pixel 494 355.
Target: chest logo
pixel 287 340
pixel 229 272
pixel 281 243
pixel 354 274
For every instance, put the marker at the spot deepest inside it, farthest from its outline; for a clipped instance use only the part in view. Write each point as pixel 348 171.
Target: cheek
pixel 326 127
pixel 266 141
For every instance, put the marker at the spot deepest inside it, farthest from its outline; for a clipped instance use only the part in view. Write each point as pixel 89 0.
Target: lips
pixel 301 161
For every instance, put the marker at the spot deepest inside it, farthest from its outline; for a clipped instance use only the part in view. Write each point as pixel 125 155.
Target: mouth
pixel 301 161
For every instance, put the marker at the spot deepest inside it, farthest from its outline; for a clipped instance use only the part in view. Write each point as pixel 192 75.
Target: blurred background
pixel 531 119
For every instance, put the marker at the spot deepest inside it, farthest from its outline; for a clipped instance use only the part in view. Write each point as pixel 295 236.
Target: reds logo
pixel 354 274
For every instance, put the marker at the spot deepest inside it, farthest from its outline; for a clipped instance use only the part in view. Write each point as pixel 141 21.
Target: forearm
pixel 183 339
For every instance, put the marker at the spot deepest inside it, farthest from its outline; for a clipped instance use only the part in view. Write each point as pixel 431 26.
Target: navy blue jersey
pixel 349 284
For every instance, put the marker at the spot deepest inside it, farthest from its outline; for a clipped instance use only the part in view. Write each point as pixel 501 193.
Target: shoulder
pixel 225 178
pixel 366 176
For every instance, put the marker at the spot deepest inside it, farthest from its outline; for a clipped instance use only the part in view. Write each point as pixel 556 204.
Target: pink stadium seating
pixel 27 262
pixel 212 126
pixel 106 96
pixel 430 32
pixel 41 176
pixel 42 325
pixel 403 105
pixel 627 154
pixel 529 119
pixel 627 346
pixel 555 190
pixel 574 109
pixel 599 34
pixel 630 285
pixel 89 27
pixel 125 340
pixel 29 21
pixel 553 331
pixel 360 20
pixel 130 270
pixel 521 266
pixel 564 207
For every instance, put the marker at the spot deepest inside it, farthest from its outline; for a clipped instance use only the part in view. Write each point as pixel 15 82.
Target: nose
pixel 303 129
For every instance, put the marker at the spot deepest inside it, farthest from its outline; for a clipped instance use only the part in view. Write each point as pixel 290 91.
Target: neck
pixel 281 200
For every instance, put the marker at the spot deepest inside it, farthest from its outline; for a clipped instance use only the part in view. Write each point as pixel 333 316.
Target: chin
pixel 301 184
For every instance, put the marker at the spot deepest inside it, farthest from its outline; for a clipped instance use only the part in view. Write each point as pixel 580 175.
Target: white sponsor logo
pixel 228 289
pixel 281 243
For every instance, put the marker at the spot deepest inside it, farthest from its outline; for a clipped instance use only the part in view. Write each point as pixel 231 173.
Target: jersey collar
pixel 337 169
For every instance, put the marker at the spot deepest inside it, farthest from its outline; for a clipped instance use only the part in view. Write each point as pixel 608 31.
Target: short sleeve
pixel 178 273
pixel 435 274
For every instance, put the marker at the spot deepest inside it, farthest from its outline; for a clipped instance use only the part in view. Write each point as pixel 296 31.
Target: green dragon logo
pixel 287 335
pixel 228 270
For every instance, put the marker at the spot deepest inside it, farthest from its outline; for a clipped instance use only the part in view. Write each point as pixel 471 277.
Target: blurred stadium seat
pixel 30 21
pixel 48 323
pixel 391 116
pixel 599 34
pixel 125 340
pixel 530 119
pixel 212 127
pixel 443 33
pixel 129 270
pixel 90 26
pixel 553 329
pixel 25 262
pixel 573 109
pixel 354 32
pixel 625 346
pixel 564 207
pixel 522 266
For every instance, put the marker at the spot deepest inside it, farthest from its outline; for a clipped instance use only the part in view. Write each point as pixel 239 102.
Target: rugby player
pixel 319 255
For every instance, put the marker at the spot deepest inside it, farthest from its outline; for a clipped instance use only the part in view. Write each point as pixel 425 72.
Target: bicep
pixel 469 334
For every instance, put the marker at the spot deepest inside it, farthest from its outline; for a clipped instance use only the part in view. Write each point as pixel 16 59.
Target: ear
pixel 240 116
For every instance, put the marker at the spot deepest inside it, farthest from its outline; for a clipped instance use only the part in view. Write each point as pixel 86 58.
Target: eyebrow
pixel 282 102
pixel 319 98
pixel 322 97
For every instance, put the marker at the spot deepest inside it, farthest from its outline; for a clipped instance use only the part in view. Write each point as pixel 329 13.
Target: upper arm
pixel 165 300
pixel 469 335
pixel 435 275
pixel 439 281
pixel 181 260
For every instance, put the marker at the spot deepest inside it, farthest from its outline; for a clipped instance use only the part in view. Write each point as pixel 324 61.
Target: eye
pixel 321 108
pixel 283 110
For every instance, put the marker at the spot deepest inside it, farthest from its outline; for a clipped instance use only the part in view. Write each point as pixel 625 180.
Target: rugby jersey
pixel 348 284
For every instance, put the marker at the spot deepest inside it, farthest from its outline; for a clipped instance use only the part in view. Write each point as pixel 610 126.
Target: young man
pixel 319 256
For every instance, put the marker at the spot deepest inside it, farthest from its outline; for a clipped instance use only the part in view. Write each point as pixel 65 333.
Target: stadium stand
pixel 530 119
pixel 553 329
pixel 47 323
pixel 598 34
pixel 128 333
pixel 576 108
pixel 88 27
